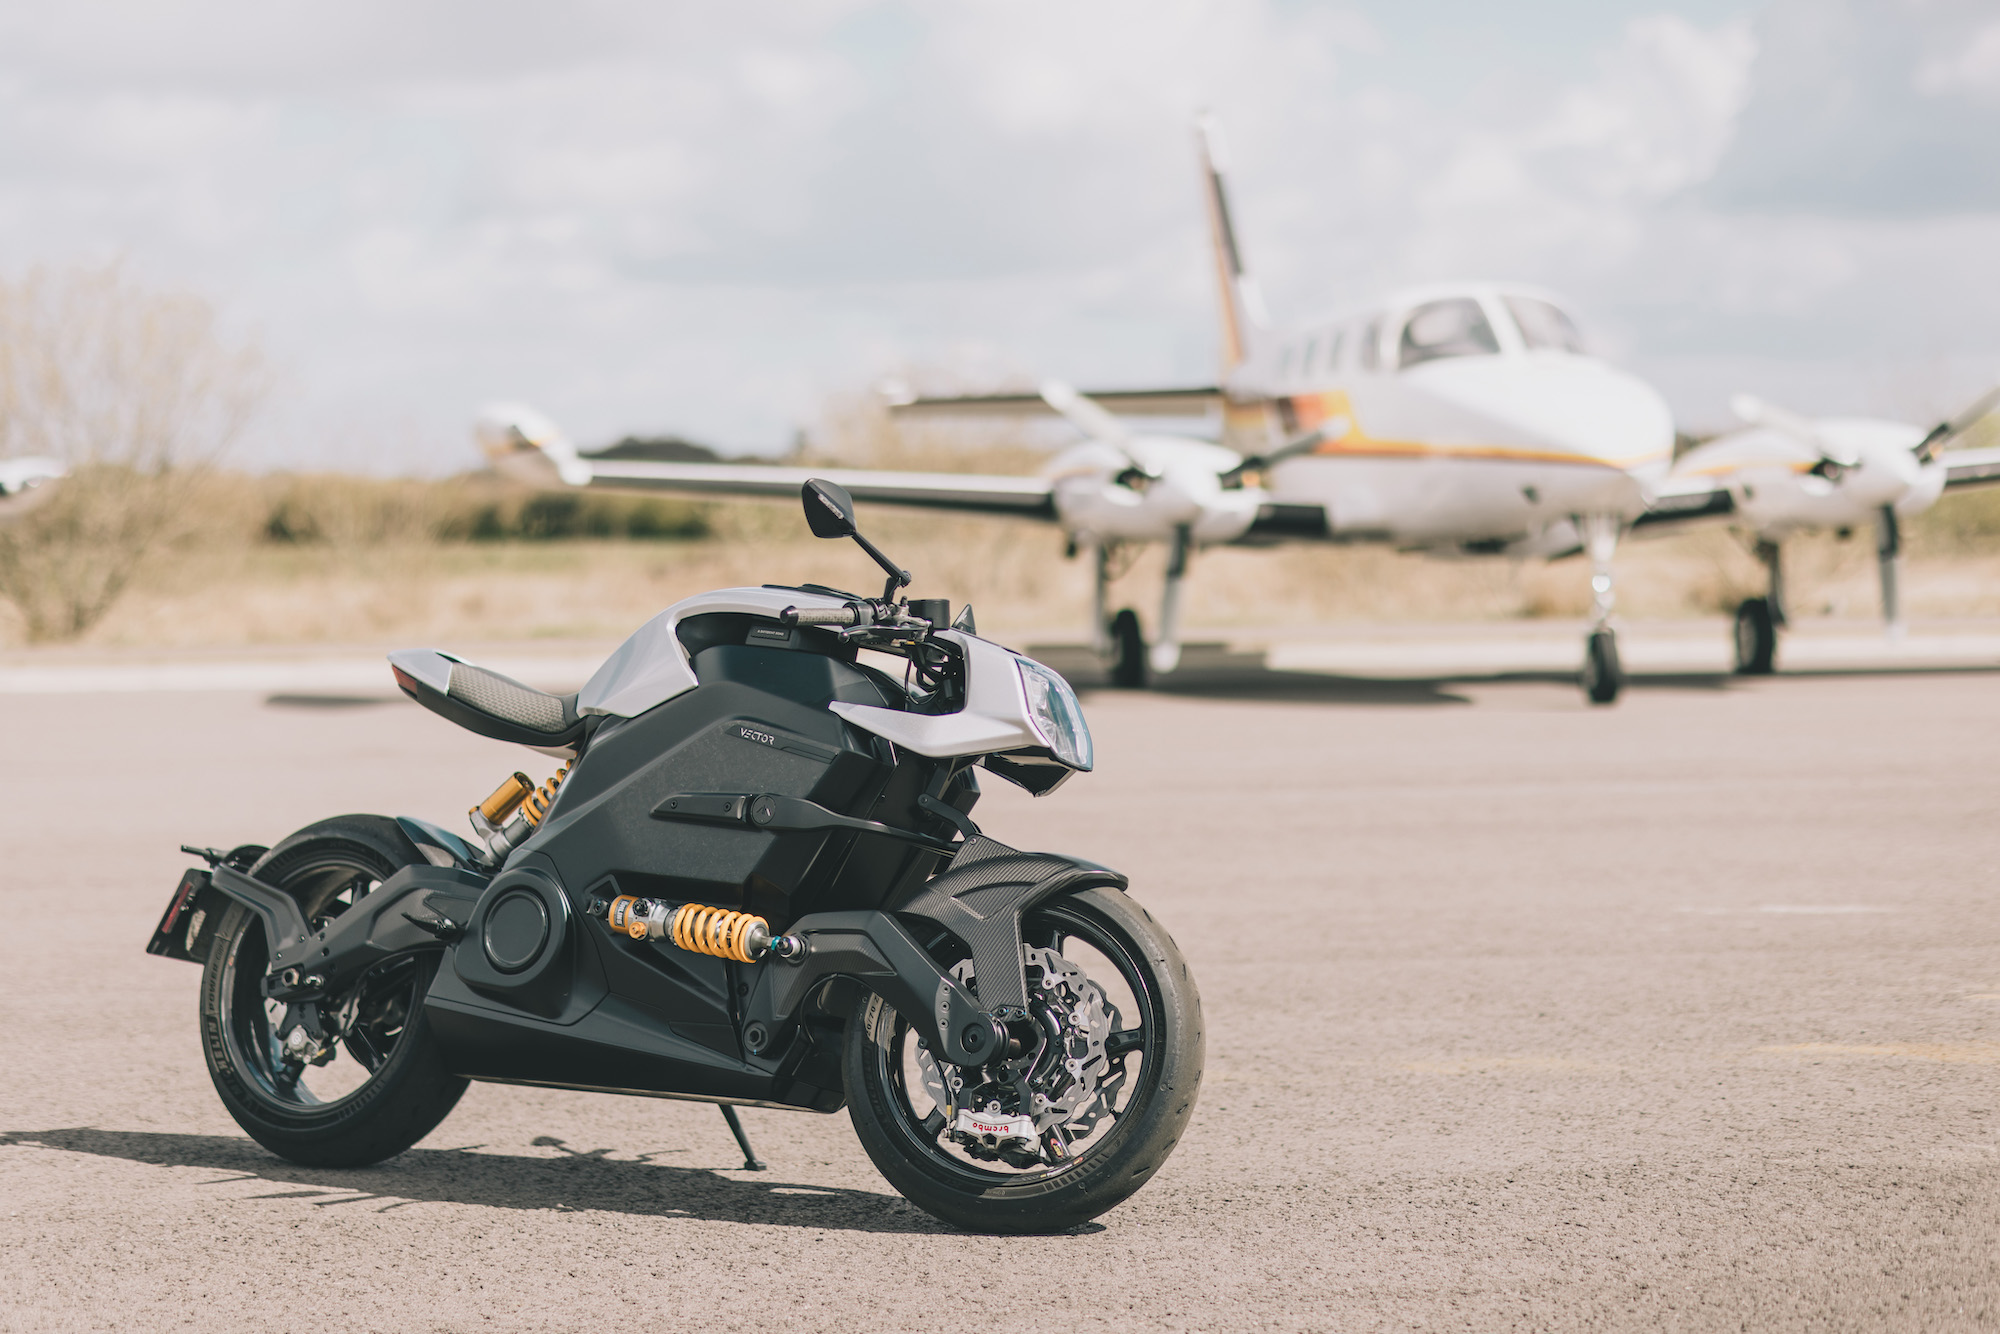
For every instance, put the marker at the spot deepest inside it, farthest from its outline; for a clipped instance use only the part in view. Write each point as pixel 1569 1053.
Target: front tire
pixel 382 1084
pixel 1110 1150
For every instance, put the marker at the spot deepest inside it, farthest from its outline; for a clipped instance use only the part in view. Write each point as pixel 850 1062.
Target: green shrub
pixel 341 510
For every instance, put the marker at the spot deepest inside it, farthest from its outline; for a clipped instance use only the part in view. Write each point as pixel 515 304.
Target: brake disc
pixel 1075 1089
pixel 1079 1089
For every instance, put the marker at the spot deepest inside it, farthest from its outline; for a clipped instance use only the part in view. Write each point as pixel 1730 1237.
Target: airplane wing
pixel 1188 402
pixel 1686 500
pixel 1970 467
pixel 1022 497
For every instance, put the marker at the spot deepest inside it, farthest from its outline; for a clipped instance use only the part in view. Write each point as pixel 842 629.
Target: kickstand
pixel 750 1163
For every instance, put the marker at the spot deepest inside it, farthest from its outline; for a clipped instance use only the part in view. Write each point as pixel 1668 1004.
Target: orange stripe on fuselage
pixel 1312 410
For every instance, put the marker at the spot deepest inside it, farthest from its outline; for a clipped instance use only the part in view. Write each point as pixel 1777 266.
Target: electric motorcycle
pixel 753 881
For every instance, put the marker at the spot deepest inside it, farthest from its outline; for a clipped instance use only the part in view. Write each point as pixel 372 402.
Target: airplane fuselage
pixel 1447 422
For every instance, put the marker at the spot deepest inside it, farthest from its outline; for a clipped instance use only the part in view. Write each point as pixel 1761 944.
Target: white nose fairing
pixel 1496 447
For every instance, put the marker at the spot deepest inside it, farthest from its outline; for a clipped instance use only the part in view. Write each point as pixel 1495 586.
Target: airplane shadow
pixel 1212 671
pixel 572 1179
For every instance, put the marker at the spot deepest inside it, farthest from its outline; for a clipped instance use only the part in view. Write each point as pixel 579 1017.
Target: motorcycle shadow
pixel 1219 672
pixel 571 1180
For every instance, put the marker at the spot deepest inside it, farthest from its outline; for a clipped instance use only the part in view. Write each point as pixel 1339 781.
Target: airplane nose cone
pixel 1556 404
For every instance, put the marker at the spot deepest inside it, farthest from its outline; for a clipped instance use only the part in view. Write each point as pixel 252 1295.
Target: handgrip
pixel 839 616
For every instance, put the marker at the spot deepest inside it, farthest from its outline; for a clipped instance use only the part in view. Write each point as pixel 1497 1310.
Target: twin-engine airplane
pixel 1464 419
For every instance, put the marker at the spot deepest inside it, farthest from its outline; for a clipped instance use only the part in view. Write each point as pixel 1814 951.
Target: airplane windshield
pixel 1543 325
pixel 1452 328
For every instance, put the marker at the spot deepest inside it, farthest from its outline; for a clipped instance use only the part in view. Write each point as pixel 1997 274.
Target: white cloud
pixel 703 218
pixel 1973 71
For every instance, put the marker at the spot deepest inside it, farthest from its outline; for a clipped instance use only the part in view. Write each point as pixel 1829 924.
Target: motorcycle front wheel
pixel 377 1084
pixel 1098 1083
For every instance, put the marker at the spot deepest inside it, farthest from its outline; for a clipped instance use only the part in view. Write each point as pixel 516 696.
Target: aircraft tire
pixel 1602 676
pixel 1756 638
pixel 1128 651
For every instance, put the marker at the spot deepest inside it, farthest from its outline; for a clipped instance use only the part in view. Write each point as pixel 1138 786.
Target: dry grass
pixel 427 591
pixel 301 560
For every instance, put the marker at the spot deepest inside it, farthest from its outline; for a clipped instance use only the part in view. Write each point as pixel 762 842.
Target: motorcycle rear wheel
pixel 383 1085
pixel 903 1129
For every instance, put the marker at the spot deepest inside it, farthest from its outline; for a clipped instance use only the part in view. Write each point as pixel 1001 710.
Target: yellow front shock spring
pixel 740 936
pixel 744 937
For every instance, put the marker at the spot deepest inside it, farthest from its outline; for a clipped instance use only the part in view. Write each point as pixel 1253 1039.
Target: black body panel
pixel 744 793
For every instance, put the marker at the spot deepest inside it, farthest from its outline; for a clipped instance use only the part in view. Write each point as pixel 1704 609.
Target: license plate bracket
pixel 187 928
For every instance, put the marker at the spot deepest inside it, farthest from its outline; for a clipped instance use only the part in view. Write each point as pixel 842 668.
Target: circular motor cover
pixel 516 946
pixel 517 927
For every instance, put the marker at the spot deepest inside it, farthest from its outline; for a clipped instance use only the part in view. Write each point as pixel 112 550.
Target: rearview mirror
pixel 829 509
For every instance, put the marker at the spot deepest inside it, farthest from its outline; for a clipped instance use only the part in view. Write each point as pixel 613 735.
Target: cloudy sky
pixel 654 217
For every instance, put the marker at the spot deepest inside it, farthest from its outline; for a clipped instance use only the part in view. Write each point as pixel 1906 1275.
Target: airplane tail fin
pixel 1243 315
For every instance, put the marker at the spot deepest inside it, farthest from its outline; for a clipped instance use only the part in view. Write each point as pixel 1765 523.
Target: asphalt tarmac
pixel 1681 1014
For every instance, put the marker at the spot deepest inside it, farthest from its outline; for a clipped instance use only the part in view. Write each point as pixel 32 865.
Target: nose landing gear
pixel 1602 676
pixel 1120 639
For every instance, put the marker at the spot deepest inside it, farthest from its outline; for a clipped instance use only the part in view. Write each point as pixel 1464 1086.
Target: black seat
pixel 484 701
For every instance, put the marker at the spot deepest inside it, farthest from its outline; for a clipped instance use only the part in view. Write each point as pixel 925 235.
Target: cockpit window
pixel 1371 345
pixel 1452 328
pixel 1543 325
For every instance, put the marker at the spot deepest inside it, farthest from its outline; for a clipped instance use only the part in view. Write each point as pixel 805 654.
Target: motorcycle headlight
pixel 1057 716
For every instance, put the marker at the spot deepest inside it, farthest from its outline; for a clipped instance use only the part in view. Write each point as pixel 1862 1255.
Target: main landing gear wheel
pixel 372 1082
pixel 1128 651
pixel 1602 677
pixel 1756 637
pixel 1097 1083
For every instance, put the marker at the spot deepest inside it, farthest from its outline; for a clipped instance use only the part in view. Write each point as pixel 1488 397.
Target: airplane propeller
pixel 1947 431
pixel 1304 444
pixel 1098 425
pixel 1833 459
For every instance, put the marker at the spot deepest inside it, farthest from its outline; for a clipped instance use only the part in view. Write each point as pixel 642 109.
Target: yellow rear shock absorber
pixel 536 804
pixel 700 929
pixel 506 799
pixel 520 794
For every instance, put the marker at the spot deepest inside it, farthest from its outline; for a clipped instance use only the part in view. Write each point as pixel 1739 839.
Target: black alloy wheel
pixel 374 1083
pixel 1093 955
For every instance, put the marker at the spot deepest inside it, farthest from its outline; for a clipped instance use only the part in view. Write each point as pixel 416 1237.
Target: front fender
pixel 980 898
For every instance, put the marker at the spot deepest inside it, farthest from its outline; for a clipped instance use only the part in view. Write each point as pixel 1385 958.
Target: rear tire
pixel 403 1089
pixel 1756 638
pixel 1128 651
pixel 1109 1164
